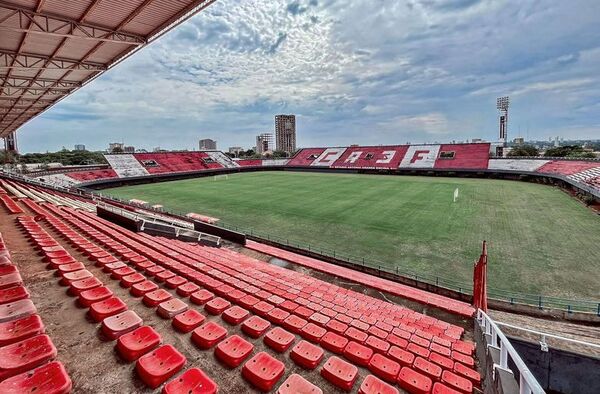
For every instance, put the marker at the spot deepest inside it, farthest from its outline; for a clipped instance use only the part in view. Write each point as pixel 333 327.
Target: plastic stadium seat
pixel 340 373
pixel 22 356
pixel 80 286
pixel 159 365
pixel 88 297
pixel 216 306
pixel 201 297
pixel 457 382
pixel 130 280
pixel 235 315
pixel 233 350
pixel 255 326
pixel 294 323
pixel 466 372
pixel 334 342
pixel 306 355
pixel 442 361
pixel 18 330
pixel 170 308
pixel 133 345
pixel 463 358
pixel 119 324
pixel 248 301
pixel 405 358
pixel 192 381
pixel 414 382
pixel 102 309
pixel 74 276
pixel 356 335
pixel 114 266
pixel 440 388
pixel 164 275
pixel 296 384
pixel 154 298
pixel 441 350
pixel 277 316
pixel 377 344
pixel 140 289
pixel 187 289
pixel 76 266
pixel 418 350
pixel 279 339
pixel 175 281
pixel 312 332
pixel 16 310
pixel 358 353
pixel 263 371
pixel 208 335
pixel 384 367
pixel 337 326
pixel 373 385
pixel 122 272
pixel 262 308
pixel 13 294
pixel 51 378
pixel 188 320
pixel 10 280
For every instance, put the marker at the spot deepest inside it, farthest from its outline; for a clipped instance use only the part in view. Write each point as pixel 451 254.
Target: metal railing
pixel 527 382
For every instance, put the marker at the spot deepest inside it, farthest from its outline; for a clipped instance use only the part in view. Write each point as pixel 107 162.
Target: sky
pixel 353 71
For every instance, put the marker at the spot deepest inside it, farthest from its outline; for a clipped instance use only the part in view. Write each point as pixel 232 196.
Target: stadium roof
pixel 50 48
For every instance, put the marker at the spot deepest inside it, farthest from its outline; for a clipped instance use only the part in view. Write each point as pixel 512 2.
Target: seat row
pixel 26 352
pixel 311 331
pixel 10 205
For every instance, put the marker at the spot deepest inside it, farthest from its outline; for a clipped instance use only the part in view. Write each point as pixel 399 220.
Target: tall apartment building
pixel 285 133
pixel 264 143
pixel 79 147
pixel 208 144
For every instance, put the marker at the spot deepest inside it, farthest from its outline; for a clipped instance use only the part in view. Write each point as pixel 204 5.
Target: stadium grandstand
pixel 99 295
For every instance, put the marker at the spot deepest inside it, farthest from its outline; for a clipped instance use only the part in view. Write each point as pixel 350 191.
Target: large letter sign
pixel 328 157
pixel 353 157
pixel 420 156
pixel 388 156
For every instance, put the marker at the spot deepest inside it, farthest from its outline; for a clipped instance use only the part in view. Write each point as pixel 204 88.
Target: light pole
pixel 502 104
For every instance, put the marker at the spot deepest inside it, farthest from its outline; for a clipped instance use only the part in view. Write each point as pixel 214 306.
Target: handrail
pixel 544 335
pixel 528 384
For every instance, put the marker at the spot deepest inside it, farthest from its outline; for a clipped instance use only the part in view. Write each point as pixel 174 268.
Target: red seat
pixel 51 378
pixel 457 382
pixel 130 280
pixel 122 272
pixel 296 384
pixel 404 357
pixel 442 361
pixel 156 367
pixel 22 356
pixel 102 309
pixel 418 350
pixel 141 288
pixel 114 266
pixel 279 339
pixel 170 308
pixel 10 280
pixel 235 315
pixel 358 353
pixel 188 320
pixel 201 297
pixel 192 381
pixel 164 275
pixel 277 316
pixel 377 344
pixel 337 326
pixel 463 358
pixel 312 332
pixel 469 373
pixel 356 335
pixel 255 326
pixel 294 323
pixel 306 355
pixel 216 306
pixel 80 286
pixel 74 276
pixel 334 342
pixel 133 345
pixel 18 330
pixel 16 310
pixel 262 308
pixel 119 324
pixel 88 297
pixel 187 289
pixel 76 266
pixel 154 298
pixel 13 294
pixel 175 281
pixel 373 385
pixel 263 371
pixel 340 373
pixel 414 382
pixel 427 368
pixel 208 335
pixel 440 388
pixel 233 350
pixel 384 367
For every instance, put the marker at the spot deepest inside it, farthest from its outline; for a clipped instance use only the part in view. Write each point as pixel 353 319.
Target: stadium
pixel 417 268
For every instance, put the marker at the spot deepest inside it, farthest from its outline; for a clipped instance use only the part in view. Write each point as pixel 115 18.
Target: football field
pixel 540 239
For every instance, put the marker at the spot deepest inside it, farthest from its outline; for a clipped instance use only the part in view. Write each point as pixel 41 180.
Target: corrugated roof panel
pixel 76 48
pixel 10 40
pixel 38 44
pixel 113 12
pixel 107 52
pixel 67 9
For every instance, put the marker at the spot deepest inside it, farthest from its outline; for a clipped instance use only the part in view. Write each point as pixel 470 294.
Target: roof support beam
pixel 23 20
pixel 12 60
pixel 25 91
pixel 37 83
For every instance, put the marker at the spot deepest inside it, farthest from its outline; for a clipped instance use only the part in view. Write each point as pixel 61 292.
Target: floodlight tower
pixel 502 104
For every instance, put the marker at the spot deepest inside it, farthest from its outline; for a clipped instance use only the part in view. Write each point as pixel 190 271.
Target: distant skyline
pixel 364 72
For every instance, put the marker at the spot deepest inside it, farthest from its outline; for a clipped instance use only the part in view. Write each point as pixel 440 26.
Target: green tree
pixel 280 154
pixel 524 150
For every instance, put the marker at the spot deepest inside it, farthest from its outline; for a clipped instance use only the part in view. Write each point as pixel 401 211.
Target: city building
pixel 118 146
pixel 129 149
pixel 79 147
pixel 285 133
pixel 235 150
pixel 519 140
pixel 264 143
pixel 208 144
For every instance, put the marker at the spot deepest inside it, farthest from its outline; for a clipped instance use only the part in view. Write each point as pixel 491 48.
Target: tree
pixel 563 151
pixel 117 149
pixel 524 150
pixel 279 154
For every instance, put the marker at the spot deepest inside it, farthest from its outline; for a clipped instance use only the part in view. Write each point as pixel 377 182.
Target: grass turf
pixel 540 239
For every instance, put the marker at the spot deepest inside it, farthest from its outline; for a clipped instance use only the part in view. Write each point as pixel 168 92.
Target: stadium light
pixel 502 103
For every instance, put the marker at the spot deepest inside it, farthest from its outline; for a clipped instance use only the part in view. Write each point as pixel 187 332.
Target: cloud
pixel 354 71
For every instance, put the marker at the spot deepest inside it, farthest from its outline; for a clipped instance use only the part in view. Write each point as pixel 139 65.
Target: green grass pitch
pixel 540 239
